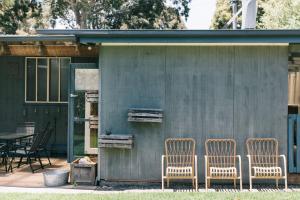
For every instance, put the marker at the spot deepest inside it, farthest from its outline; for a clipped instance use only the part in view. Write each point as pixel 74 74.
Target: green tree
pixel 283 15
pixel 20 15
pixel 270 14
pixel 120 14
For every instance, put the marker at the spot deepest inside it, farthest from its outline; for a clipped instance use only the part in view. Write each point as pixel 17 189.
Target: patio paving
pixel 23 177
pixel 23 180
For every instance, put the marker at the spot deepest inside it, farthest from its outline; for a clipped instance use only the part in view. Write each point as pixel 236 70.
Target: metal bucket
pixel 56 178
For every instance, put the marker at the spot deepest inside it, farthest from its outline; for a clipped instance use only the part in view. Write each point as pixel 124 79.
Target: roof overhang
pixel 180 36
pixel 45 45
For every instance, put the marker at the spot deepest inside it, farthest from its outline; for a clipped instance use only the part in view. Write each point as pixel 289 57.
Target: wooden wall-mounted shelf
pixel 92 96
pixel 93 122
pixel 116 141
pixel 145 115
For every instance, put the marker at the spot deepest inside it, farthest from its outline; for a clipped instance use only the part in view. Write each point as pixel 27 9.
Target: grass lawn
pixel 153 196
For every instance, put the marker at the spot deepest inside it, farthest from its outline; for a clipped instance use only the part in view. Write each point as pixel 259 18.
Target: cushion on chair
pixel 179 171
pixel 223 171
pixel 267 171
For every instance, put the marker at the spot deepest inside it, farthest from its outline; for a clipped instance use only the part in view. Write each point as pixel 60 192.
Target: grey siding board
pixel 140 84
pixel 260 96
pixel 205 92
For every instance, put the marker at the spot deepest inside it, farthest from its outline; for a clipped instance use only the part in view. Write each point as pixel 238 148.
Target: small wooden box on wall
pixel 116 141
pixel 92 96
pixel 145 115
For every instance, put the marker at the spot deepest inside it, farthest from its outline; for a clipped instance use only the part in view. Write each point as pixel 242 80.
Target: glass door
pixel 83 110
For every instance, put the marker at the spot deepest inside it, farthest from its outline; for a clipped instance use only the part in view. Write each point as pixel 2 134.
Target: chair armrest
pixel 249 159
pixel 196 165
pixel 162 164
pixel 284 163
pixel 240 164
pixel 205 166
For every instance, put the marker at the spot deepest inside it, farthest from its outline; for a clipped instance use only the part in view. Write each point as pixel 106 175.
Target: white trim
pixel 48 78
pixel 25 78
pixel 59 63
pixel 87 131
pixel 50 102
pixel 36 79
pixel 195 44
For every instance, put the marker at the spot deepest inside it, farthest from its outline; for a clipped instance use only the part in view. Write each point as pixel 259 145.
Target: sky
pixel 201 14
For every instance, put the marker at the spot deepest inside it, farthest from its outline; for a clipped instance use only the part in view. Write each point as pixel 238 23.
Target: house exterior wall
pixel 13 109
pixel 205 92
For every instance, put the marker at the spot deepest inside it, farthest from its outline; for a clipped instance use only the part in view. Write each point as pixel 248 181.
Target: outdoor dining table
pixel 10 138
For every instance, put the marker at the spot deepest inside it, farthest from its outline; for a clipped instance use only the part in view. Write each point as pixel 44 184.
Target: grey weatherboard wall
pixel 205 92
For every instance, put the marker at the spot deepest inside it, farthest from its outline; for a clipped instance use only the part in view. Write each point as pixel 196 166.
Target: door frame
pixel 71 89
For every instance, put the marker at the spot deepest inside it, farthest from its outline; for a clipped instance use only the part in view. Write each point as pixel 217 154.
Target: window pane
pixel 53 76
pixel 30 89
pixel 93 138
pixel 64 68
pixel 42 79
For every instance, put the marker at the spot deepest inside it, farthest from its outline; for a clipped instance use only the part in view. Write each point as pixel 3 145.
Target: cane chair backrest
pixel 180 152
pixel 221 152
pixel 263 152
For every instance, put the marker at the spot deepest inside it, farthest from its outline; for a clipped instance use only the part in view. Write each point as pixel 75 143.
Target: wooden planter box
pixel 116 141
pixel 145 115
pixel 84 174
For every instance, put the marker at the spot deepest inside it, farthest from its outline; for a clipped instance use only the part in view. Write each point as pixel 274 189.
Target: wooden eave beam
pixel 51 50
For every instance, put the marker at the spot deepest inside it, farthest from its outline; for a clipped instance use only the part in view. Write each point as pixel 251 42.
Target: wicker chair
pixel 221 161
pixel 264 160
pixel 181 161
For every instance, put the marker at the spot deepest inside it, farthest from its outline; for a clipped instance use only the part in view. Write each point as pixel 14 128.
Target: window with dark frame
pixel 46 79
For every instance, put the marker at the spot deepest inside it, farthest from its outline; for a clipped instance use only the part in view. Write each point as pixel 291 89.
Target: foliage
pixel 270 14
pixel 283 15
pixel 22 15
pixel 223 14
pixel 120 14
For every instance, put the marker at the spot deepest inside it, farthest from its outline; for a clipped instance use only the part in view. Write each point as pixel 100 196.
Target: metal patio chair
pixel 181 161
pixel 264 160
pixel 221 161
pixel 26 127
pixel 4 156
pixel 33 151
pixel 44 141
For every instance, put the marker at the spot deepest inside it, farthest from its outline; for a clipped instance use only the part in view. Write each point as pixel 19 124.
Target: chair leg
pixel 10 163
pixel 206 184
pixel 168 183
pixel 241 184
pixel 234 183
pixel 285 184
pixel 4 161
pixel 276 183
pixel 20 162
pixel 196 183
pixel 48 157
pixel 162 184
pixel 30 164
pixel 38 156
pixel 250 183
